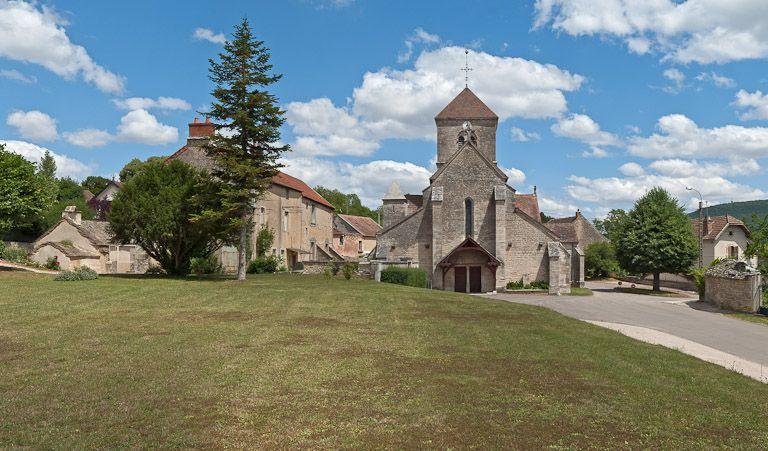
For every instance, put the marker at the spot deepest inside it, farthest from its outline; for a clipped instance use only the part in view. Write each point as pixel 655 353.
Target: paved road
pixel 681 317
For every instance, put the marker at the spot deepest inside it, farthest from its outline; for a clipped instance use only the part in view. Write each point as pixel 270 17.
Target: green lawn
pixel 579 291
pixel 298 361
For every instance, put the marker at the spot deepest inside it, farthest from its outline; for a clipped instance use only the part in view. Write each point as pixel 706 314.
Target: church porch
pixel 468 268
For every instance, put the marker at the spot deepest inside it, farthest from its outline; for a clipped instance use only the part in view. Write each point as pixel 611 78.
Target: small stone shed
pixel 733 285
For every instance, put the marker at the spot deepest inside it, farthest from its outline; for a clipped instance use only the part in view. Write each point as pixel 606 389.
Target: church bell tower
pixel 464 112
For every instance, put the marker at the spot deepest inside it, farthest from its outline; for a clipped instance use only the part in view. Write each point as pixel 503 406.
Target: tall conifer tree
pixel 246 154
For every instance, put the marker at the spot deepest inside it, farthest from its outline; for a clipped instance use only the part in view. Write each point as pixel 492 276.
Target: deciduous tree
pixel 655 237
pixel 161 208
pixel 24 193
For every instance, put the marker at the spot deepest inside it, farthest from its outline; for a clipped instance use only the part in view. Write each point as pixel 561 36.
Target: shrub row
pixel 535 285
pixel 412 277
pixel 81 273
pixel 264 264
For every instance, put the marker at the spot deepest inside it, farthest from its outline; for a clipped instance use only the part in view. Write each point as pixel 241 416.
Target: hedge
pixel 412 277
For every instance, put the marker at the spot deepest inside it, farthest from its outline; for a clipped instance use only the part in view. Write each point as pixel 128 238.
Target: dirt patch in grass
pixel 473 316
pixel 9 350
pixel 227 316
pixel 316 321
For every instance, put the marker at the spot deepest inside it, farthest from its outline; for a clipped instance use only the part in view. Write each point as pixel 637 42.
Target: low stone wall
pixel 318 267
pixel 732 285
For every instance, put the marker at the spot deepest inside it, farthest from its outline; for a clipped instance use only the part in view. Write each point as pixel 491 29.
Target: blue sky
pixel 599 100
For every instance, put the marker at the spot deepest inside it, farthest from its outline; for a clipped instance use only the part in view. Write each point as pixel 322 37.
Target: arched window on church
pixel 469 217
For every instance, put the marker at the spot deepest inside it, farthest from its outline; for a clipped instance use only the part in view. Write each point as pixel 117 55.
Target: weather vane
pixel 466 68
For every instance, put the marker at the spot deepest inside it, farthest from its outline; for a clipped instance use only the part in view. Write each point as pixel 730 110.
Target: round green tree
pixel 656 236
pixel 24 193
pixel 160 209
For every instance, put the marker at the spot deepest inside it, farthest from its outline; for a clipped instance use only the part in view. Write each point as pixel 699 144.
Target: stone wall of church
pixel 468 177
pixel 448 132
pixel 408 240
pixel 526 257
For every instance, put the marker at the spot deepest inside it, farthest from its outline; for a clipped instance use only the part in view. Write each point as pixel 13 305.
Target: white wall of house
pixel 730 237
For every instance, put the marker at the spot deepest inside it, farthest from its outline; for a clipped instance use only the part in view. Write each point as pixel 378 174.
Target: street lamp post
pixel 701 226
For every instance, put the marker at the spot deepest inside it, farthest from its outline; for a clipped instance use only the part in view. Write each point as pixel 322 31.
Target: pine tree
pixel 246 156
pixel 48 165
pixel 655 237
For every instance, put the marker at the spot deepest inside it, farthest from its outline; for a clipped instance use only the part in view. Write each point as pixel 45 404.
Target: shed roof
pixel 363 224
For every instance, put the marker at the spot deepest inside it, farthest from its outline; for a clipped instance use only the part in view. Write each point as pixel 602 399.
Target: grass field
pixel 298 361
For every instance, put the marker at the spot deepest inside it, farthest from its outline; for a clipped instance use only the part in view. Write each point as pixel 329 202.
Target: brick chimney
pixel 199 129
pixel 72 214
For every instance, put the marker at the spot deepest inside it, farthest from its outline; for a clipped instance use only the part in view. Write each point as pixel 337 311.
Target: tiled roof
pixel 716 224
pixel 363 224
pixel 528 204
pixel 286 180
pixel 70 250
pixel 566 230
pixel 97 231
pixel 466 105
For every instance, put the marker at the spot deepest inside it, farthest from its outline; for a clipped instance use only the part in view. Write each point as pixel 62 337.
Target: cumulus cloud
pixel 755 103
pixel 556 207
pixel 37 35
pixel 676 167
pixel 519 135
pixel 142 127
pixel 583 128
pixel 88 137
pixel 65 166
pixel 402 103
pixel 516 176
pixel 34 125
pixel 368 180
pixel 13 74
pixel 205 34
pixel 677 78
pixel 144 103
pixel 703 31
pixel 681 137
pixel 631 169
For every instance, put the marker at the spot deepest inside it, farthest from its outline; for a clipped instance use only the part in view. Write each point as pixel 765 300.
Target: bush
pixel 206 265
pixel 600 260
pixel 349 269
pixel 52 263
pixel 81 273
pixel 2 248
pixel 263 265
pixel 698 279
pixel 535 285
pixel 328 271
pixel 412 277
pixel 15 254
pixel 154 270
pixel 335 269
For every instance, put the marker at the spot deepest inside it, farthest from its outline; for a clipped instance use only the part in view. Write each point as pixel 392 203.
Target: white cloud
pixel 402 103
pixel 617 191
pixel 516 176
pixel 144 103
pixel 368 180
pixel 419 36
pixel 142 127
pixel 38 36
pixel 756 104
pixel 556 208
pixel 205 34
pixel 681 137
pixel 583 128
pixel 676 167
pixel 13 74
pixel 595 152
pixel 519 135
pixel 720 81
pixel 631 169
pixel 88 137
pixel 703 31
pixel 34 125
pixel 674 75
pixel 65 166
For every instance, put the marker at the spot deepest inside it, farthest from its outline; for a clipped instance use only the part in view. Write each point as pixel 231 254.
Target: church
pixel 469 229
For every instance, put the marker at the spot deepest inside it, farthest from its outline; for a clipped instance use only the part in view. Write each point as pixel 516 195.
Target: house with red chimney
pixel 299 217
pixel 723 237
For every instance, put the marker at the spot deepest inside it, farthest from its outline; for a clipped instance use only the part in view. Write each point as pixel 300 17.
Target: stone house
pixel 724 237
pixel 576 233
pixel 300 218
pixel 469 229
pixel 101 202
pixel 76 242
pixel 354 236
